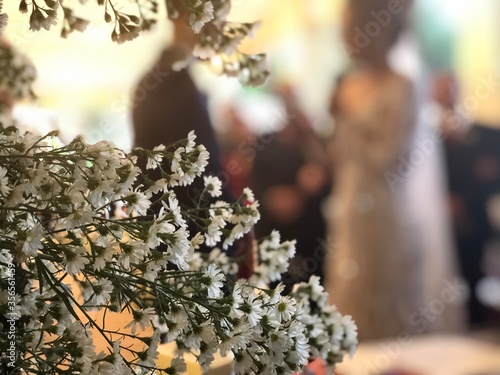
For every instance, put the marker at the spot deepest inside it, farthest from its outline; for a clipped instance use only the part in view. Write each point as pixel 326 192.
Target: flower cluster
pixel 329 333
pixel 73 260
pixel 218 38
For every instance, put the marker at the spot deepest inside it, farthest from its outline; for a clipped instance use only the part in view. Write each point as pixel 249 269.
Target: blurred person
pixel 14 64
pixel 291 183
pixel 423 171
pixel 374 268
pixel 473 169
pixel 167 105
pixel 235 160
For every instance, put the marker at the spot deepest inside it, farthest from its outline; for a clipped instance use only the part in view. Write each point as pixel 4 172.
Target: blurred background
pixel 451 51
pixel 86 80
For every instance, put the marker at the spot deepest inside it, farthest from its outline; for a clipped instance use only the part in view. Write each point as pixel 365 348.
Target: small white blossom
pixel 138 202
pixel 197 240
pixel 214 233
pixel 213 185
pixel 75 260
pixel 191 141
pixel 252 307
pixel 4 182
pixel 33 241
pixel 214 281
pixel 285 308
pixel 79 217
pixel 242 362
pixel 101 292
pixel 141 318
pixel 203 12
pixel 178 365
pixel 248 195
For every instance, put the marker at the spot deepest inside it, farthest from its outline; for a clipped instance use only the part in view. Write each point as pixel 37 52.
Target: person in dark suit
pixel 473 171
pixel 473 163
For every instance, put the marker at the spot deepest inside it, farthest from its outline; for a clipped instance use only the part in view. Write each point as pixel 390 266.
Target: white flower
pixel 76 192
pixel 301 348
pixel 7 259
pixel 4 182
pixel 155 157
pixel 285 308
pixel 203 333
pixel 220 258
pixel 203 13
pixel 191 141
pixel 237 301
pixel 316 291
pixel 133 252
pixel 33 241
pixel 278 343
pixel 104 253
pixel 196 262
pixel 351 335
pixel 157 186
pixel 138 202
pixel 204 51
pixel 177 366
pixel 213 185
pixel 16 196
pixel 179 249
pixel 206 357
pixel 75 260
pixel 101 292
pixel 248 195
pixel 78 218
pixel 176 324
pixel 214 281
pixel 214 233
pixel 158 227
pixel 252 307
pixel 242 362
pixel 100 196
pixel 175 209
pixel 152 351
pixel 141 318
pixel 199 166
pixel 102 368
pixel 197 240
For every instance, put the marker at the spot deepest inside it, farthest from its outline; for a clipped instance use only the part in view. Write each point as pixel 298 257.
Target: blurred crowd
pixel 397 210
pixel 394 203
